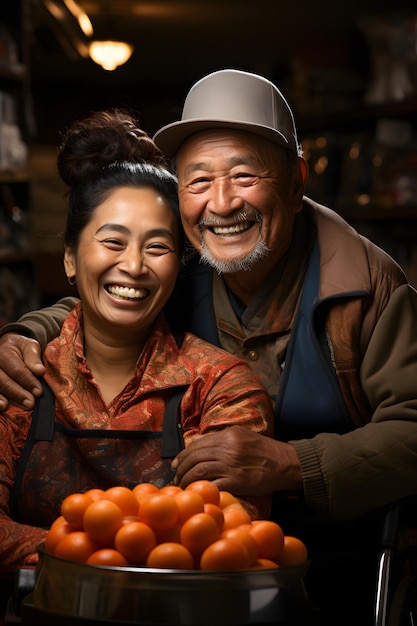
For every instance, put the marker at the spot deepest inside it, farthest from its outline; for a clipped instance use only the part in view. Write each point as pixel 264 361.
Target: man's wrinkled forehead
pixel 245 148
pixel 213 139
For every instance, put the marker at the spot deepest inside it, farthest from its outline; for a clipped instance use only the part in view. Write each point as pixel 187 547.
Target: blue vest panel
pixel 310 400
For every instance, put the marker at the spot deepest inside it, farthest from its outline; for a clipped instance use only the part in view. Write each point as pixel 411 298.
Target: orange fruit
pixel 58 530
pixel 264 564
pixel 170 490
pixel 235 515
pixel 207 490
pixel 159 511
pixel 170 555
pixel 77 546
pixel 124 498
pixel 143 489
pixel 102 519
pixel 189 503
pixel 130 518
pixel 293 552
pixel 269 537
pixel 73 508
pixel 225 555
pixel 95 493
pixel 216 512
pixel 226 498
pixel 107 556
pixel 198 532
pixel 242 534
pixel 135 540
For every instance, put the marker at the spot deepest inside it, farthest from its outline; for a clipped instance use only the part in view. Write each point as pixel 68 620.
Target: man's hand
pixel 240 461
pixel 20 365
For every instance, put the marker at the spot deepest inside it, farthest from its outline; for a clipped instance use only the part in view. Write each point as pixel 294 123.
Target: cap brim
pixel 170 137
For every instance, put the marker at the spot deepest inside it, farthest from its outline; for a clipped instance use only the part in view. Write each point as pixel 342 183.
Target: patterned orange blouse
pixel 220 390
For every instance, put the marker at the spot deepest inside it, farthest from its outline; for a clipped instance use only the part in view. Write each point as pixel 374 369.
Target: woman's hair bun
pixel 92 143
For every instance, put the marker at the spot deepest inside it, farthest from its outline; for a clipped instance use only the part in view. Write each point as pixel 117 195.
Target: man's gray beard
pixel 234 266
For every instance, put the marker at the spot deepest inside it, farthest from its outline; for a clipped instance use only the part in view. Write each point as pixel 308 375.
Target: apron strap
pixel 172 438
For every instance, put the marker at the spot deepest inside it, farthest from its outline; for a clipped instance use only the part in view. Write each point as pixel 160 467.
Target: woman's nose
pixel 131 262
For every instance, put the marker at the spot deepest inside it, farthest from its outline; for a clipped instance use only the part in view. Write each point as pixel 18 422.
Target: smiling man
pixel 237 207
pixel 322 315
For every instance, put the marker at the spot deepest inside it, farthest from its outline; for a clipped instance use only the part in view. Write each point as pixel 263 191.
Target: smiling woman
pixel 117 373
pixel 125 264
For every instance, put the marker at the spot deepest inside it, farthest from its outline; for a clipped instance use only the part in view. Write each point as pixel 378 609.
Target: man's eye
pixel 243 179
pixel 199 184
pixel 200 179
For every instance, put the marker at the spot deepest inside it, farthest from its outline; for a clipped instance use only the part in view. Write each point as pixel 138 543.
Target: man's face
pixel 237 201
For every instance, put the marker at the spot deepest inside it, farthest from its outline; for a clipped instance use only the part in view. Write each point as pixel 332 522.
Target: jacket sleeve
pixel 43 325
pixel 347 475
pixel 225 392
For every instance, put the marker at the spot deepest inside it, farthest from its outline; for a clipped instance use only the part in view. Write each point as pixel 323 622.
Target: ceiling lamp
pixel 110 54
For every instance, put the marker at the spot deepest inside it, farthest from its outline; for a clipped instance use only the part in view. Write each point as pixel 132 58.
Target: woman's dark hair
pixel 105 151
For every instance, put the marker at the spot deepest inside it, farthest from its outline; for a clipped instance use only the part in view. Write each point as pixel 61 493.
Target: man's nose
pixel 224 197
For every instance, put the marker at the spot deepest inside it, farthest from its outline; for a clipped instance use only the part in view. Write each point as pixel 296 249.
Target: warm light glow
pixel 54 10
pixel 355 151
pixel 364 199
pixel 321 165
pixel 85 25
pixel 81 17
pixel 110 54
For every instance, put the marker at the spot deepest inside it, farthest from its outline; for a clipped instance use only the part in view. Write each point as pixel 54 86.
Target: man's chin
pixel 226 266
pixel 233 265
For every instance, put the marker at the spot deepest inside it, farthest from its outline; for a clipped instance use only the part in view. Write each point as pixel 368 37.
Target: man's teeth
pixel 127 292
pixel 231 230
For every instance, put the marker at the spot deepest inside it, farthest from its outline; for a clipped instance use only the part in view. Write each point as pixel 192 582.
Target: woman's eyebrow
pixel 152 232
pixel 160 232
pixel 117 227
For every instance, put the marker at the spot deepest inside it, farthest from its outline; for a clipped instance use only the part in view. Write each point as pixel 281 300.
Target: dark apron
pixel 310 400
pixel 57 460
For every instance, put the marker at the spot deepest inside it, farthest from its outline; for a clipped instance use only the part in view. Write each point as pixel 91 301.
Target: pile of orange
pixel 198 528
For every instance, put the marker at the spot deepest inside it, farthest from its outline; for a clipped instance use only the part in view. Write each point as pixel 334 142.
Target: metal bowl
pixel 134 595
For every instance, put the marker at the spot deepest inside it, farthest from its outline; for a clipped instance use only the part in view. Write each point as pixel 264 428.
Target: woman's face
pixel 127 260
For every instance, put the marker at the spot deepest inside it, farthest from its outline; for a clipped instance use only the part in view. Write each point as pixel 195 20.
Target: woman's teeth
pixel 128 293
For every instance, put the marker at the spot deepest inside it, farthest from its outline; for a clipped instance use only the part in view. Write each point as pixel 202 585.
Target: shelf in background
pixel 357 117
pixel 12 71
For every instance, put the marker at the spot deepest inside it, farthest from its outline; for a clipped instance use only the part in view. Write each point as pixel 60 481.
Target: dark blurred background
pixel 348 69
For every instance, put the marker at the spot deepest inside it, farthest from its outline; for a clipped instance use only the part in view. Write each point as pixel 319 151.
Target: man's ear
pixel 299 182
pixel 303 169
pixel 69 262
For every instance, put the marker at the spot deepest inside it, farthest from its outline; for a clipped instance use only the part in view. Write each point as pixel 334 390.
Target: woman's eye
pixel 112 243
pixel 159 248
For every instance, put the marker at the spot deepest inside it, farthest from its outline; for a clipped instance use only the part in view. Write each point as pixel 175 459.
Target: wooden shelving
pixel 358 117
pixel 385 171
pixel 18 291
